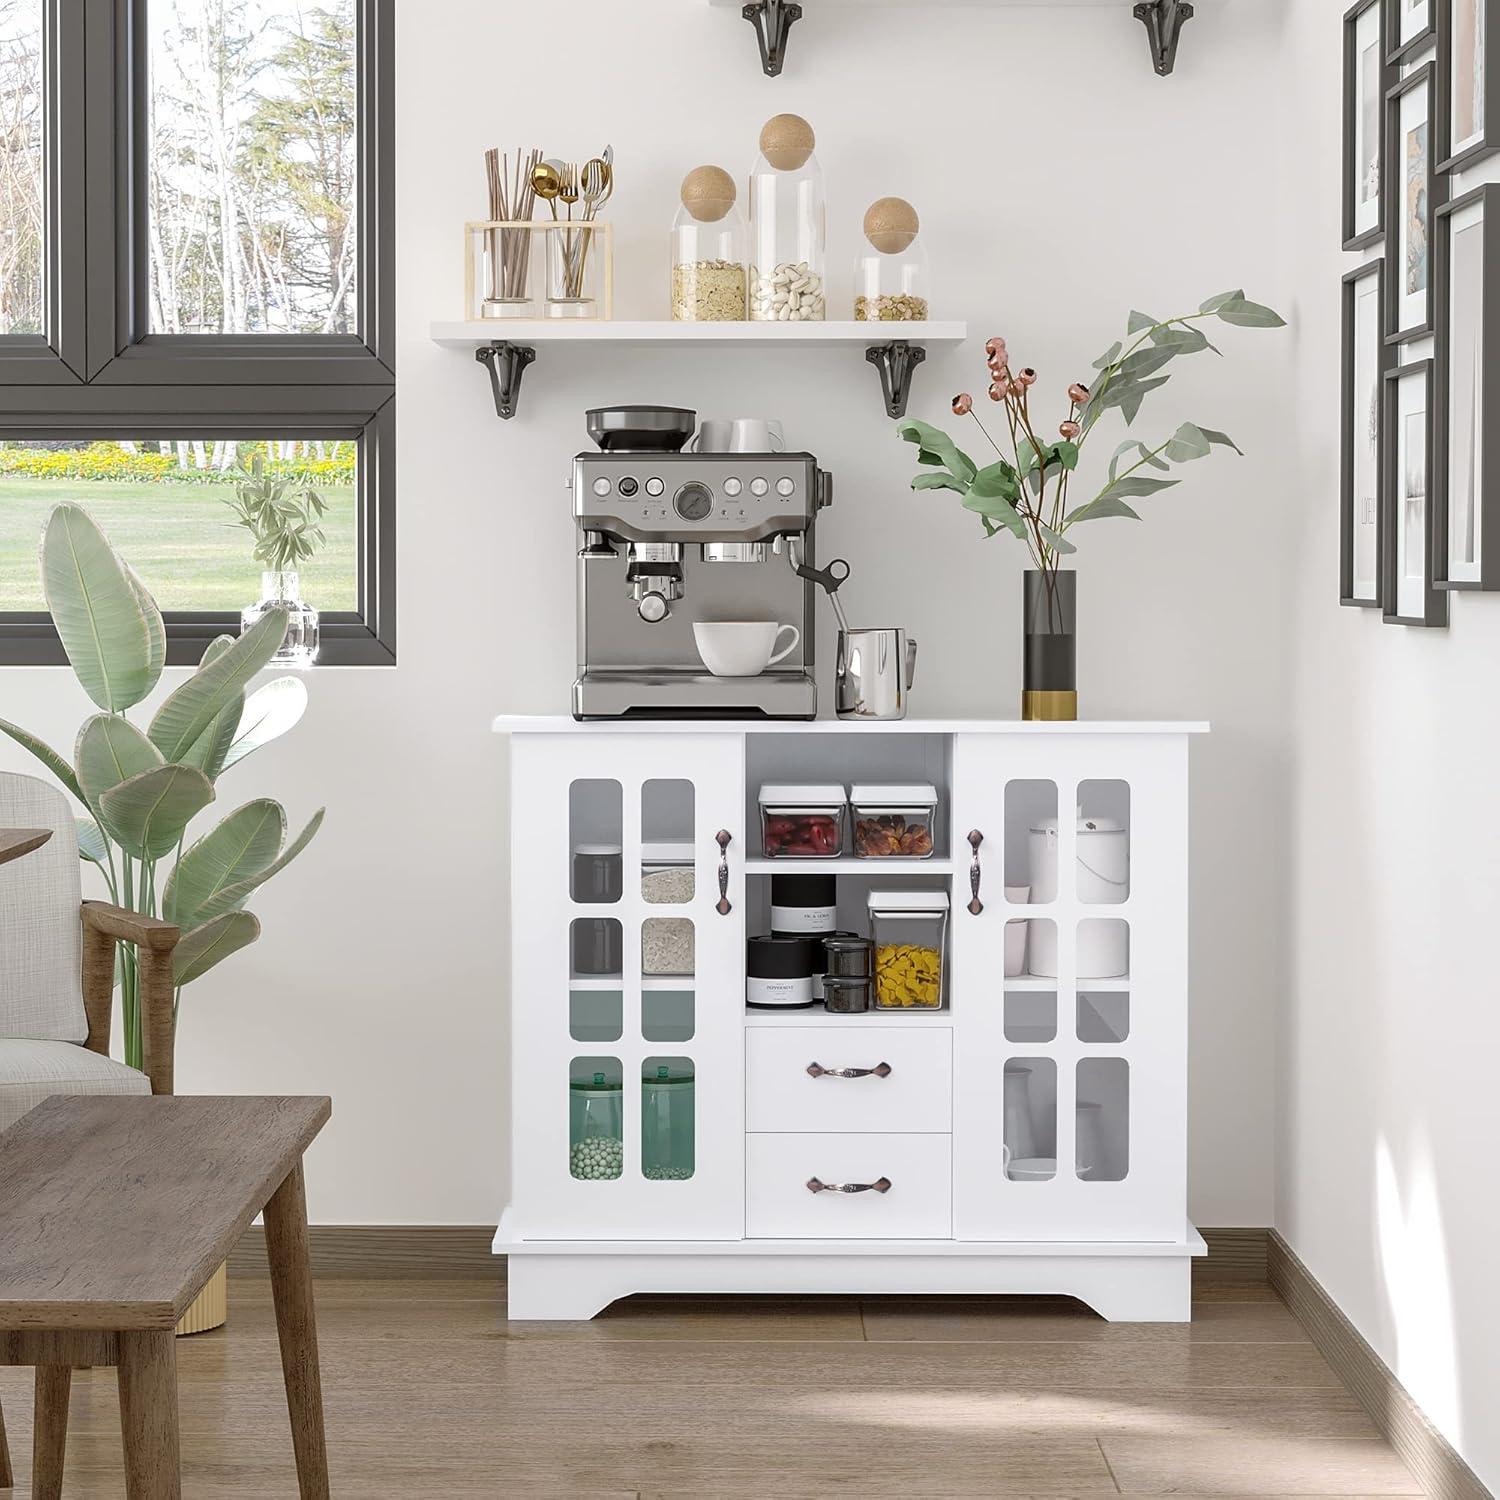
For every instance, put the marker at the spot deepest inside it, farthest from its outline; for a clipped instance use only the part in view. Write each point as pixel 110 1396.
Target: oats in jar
pixel 708 291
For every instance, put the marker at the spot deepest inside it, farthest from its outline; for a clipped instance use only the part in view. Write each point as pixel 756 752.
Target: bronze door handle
pixel 880 1185
pixel 724 907
pixel 880 1070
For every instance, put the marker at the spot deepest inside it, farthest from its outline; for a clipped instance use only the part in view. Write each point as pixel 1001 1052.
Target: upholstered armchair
pixel 57 963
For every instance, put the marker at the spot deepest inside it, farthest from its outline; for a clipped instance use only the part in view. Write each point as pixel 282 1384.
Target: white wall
pixel 1060 183
pixel 1388 1113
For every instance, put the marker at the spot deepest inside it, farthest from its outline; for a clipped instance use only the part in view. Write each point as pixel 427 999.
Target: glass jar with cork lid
pixel 709 242
pixel 788 225
pixel 890 278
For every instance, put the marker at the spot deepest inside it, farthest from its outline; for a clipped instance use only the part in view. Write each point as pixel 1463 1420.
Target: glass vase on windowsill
pixel 283 590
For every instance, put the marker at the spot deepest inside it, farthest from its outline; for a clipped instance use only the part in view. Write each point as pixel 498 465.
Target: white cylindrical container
pixel 1015 933
pixel 1102 876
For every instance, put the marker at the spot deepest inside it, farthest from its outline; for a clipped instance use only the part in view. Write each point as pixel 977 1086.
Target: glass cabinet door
pixel 1069 989
pixel 626 985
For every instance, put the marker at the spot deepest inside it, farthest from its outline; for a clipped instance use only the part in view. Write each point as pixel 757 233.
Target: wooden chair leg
pixel 296 1323
pixel 7 1476
pixel 49 1429
pixel 148 1415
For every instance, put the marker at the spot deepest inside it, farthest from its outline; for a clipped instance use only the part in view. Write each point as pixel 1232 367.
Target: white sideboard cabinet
pixel 1029 1135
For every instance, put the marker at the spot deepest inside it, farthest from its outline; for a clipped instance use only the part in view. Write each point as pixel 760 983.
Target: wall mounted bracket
pixel 1163 21
pixel 506 363
pixel 895 361
pixel 772 20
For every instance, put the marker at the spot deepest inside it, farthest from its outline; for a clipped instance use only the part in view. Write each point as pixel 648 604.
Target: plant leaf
pixel 1215 303
pixel 241 846
pixel 147 814
pixel 211 747
pixel 203 697
pixel 1136 485
pixel 942 481
pixel 199 950
pixel 1181 340
pixel 1148 361
pixel 277 707
pixel 232 897
pixel 156 630
pixel 1064 453
pixel 1105 505
pixel 91 844
pixel 1221 439
pixel 47 755
pixel 1138 393
pixel 936 447
pixel 1140 321
pixel 110 750
pixel 1109 356
pixel 1186 444
pixel 1055 539
pixel 96 611
pixel 1245 314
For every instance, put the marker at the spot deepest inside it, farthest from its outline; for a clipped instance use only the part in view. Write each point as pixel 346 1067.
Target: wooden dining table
pixel 116 1211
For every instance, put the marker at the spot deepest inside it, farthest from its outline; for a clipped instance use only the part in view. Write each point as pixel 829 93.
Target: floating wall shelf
pixel 506 349
pixel 773 19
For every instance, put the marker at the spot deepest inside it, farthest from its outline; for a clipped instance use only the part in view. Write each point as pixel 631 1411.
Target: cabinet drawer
pixel 914 1097
pixel 918 1204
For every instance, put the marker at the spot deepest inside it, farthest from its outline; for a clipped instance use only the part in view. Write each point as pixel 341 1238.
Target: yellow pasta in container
pixel 910 930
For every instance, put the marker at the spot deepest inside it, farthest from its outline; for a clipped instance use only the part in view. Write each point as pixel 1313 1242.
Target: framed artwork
pixel 1411 187
pixel 1366 358
pixel 1366 79
pixel 1468 57
pixel 1410 594
pixel 1468 397
pixel 1412 24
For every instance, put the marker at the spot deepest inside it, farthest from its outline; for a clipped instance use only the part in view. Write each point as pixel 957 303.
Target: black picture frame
pixel 1398 51
pixel 1488 143
pixel 1349 418
pixel 1357 239
pixel 1434 600
pixel 1393 191
pixel 1487 423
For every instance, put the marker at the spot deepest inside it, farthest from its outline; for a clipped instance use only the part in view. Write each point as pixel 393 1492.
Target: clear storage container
pixel 788 225
pixel 596 1136
pixel 598 874
pixel 802 822
pixel 890 277
pixel 667 1123
pixel 910 933
pixel 894 822
pixel 710 247
pixel 667 872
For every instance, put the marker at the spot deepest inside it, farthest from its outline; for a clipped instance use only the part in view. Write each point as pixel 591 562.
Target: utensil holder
pixel 507 275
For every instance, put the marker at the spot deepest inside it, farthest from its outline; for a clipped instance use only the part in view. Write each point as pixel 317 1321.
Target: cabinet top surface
pixel 562 724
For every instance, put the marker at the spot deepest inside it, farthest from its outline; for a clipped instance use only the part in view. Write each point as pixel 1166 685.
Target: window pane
pixel 166 507
pixel 252 159
pixel 21 145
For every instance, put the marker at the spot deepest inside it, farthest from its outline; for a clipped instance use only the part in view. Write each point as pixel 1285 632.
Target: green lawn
pixel 180 538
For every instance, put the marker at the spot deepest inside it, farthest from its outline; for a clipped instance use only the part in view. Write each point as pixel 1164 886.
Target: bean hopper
pixel 669 537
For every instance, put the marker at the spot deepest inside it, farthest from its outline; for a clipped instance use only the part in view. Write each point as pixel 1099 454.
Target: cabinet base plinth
pixel 568 1286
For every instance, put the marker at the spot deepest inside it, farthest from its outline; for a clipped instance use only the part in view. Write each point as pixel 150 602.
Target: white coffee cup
pixel 738 435
pixel 742 648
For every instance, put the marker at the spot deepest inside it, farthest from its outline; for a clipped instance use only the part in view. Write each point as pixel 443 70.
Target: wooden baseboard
pixel 1234 1255
pixel 462 1252
pixel 385 1252
pixel 1426 1452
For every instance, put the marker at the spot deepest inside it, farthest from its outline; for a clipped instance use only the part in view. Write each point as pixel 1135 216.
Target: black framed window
pixel 196 225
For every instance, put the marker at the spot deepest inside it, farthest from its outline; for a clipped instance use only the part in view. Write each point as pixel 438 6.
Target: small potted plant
pixel 286 526
pixel 1025 492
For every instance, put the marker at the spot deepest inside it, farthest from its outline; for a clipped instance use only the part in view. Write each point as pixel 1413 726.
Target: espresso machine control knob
pixel 652 608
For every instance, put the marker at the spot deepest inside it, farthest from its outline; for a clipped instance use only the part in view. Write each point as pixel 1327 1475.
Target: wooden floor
pixel 430 1393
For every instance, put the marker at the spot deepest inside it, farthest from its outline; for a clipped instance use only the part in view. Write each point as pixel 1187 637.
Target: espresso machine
pixel 668 538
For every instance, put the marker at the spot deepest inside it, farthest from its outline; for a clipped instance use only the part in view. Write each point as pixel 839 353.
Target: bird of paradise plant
pixel 140 790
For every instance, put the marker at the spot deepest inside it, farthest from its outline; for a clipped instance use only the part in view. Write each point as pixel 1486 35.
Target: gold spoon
pixel 546 183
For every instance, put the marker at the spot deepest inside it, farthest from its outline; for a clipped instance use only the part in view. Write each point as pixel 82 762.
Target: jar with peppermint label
pixel 788 225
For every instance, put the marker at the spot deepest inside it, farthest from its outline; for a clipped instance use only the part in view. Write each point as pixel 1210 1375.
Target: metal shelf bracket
pixel 1163 20
pixel 895 361
pixel 772 19
pixel 506 363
